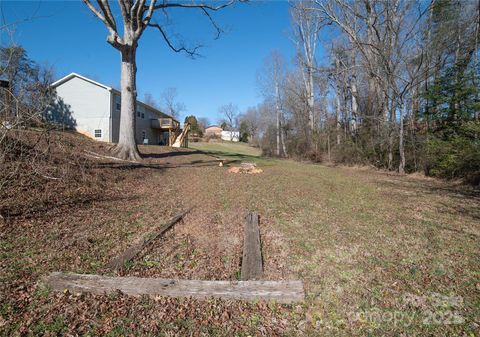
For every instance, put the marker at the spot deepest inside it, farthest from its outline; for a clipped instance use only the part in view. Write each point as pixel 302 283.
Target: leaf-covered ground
pixel 380 254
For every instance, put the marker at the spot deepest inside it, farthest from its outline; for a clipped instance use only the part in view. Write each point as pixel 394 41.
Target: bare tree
pixel 381 39
pixel 170 104
pixel 252 120
pixel 149 100
pixel 338 77
pixel 271 79
pixel 230 113
pixel 203 123
pixel 403 79
pixel 306 26
pixel 136 17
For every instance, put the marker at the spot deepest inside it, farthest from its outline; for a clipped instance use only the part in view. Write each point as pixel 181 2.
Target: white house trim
pixel 72 75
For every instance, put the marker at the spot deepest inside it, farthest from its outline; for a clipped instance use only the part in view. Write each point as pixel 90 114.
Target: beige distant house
pixel 213 131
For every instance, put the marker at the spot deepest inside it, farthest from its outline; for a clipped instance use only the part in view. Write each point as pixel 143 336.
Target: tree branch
pixel 142 22
pixel 193 5
pixel 97 13
pixel 214 24
pixel 191 52
pixel 113 38
pixel 200 6
pixel 105 7
pixel 124 8
pixel 137 6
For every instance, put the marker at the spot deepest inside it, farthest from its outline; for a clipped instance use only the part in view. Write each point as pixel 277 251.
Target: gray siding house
pixel 93 109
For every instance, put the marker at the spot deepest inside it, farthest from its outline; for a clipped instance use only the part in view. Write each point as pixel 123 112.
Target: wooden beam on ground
pixel 279 291
pixel 119 261
pixel 252 264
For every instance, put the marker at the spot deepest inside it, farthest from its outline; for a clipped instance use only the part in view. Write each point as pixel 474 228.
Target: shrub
pixel 457 155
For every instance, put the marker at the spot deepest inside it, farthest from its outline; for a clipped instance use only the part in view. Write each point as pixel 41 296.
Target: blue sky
pixel 66 35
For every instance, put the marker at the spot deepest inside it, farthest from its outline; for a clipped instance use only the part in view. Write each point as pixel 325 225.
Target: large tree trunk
pixel 311 98
pixel 337 117
pixel 353 86
pixel 127 146
pixel 401 145
pixel 338 107
pixel 354 94
pixel 413 119
pixel 328 148
pixel 372 98
pixel 284 147
pixel 391 133
pixel 277 108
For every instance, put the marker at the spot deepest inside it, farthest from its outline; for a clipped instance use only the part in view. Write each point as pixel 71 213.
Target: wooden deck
pixel 164 123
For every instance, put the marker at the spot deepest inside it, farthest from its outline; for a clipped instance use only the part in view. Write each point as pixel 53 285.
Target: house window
pixel 118 106
pixel 138 113
pixel 144 135
pixel 143 115
pixel 98 133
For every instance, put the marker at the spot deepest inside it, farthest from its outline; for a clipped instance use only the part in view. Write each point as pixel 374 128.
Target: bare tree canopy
pixel 203 123
pixel 398 87
pixel 306 27
pixel 149 100
pixel 170 104
pixel 230 119
pixel 271 80
pixel 230 113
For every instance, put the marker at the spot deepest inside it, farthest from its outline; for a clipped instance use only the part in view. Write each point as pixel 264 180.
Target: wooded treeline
pixel 25 91
pixel 397 87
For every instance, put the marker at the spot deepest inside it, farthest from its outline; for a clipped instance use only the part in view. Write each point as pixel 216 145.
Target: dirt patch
pixel 202 246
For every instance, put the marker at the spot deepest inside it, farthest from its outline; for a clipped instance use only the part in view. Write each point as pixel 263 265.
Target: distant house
pixel 213 131
pixel 233 136
pixel 93 109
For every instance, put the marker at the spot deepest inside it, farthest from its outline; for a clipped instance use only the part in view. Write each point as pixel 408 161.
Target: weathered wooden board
pixel 252 264
pixel 119 261
pixel 280 291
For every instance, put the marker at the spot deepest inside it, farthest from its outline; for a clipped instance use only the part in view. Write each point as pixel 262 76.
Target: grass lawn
pixel 227 148
pixel 379 253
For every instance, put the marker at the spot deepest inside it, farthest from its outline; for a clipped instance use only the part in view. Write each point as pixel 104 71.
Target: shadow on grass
pixel 169 154
pixel 239 157
pixel 217 154
pixel 162 166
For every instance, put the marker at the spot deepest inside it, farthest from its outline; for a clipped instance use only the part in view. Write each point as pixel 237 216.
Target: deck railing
pixel 164 123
